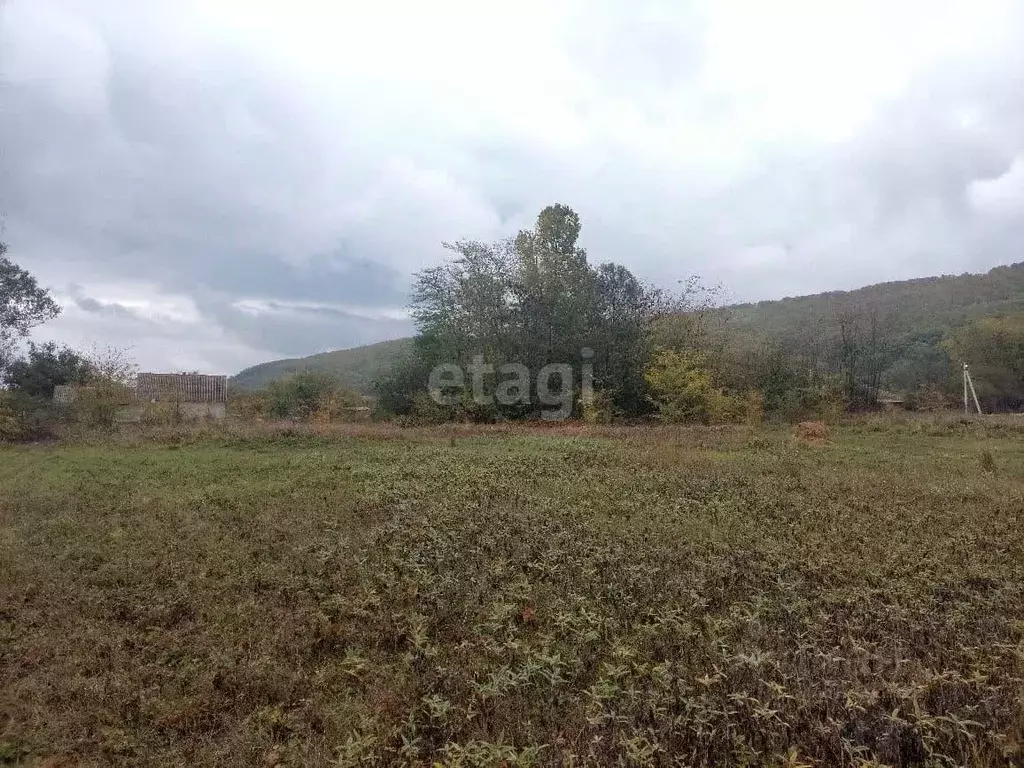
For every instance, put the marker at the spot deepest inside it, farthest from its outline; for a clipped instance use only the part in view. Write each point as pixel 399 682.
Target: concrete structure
pixel 194 395
pixel 64 394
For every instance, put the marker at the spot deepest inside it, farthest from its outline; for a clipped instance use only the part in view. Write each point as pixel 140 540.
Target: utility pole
pixel 968 382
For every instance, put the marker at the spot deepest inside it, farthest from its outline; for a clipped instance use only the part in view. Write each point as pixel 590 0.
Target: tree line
pixel 532 328
pixel 534 300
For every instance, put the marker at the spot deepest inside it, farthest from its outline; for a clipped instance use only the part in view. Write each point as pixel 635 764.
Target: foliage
pixel 600 409
pixel 753 408
pixel 685 392
pixel 888 335
pixel 807 356
pixel 247 406
pixel 25 417
pixel 108 388
pixel 339 405
pixel 310 395
pixel 355 369
pixel 395 391
pixel 565 595
pixel 44 368
pixel 994 348
pixel 532 300
pixel 23 303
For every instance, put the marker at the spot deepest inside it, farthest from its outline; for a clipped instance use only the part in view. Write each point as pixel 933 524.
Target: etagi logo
pixel 554 384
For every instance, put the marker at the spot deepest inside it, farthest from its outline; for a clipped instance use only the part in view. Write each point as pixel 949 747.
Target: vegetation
pixel 281 589
pixel 511 311
pixel 45 367
pixel 534 302
pixel 994 347
pixel 896 335
pixel 355 369
pixel 303 396
pixel 23 304
pixel 503 595
pixel 25 413
pixel 807 357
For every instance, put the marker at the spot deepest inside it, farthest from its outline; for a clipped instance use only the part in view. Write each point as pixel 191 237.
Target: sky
pixel 210 184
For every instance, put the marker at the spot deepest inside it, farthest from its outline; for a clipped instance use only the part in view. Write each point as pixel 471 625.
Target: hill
pixel 356 368
pixel 917 314
pixel 920 306
pixel 912 318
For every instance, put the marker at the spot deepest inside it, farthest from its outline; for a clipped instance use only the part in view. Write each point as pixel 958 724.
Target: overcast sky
pixel 217 183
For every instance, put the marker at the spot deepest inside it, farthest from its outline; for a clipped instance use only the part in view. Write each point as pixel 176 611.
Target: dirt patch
pixel 812 431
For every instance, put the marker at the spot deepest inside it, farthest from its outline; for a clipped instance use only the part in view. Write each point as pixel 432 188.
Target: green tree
pixel 109 386
pixel 23 303
pixel 555 290
pixel 532 300
pixel 620 338
pixel 44 367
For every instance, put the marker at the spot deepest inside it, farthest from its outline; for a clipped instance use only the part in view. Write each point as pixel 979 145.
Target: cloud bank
pixel 215 184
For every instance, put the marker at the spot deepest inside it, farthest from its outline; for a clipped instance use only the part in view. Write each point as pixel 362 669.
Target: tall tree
pixel 620 337
pixel 532 300
pixel 23 303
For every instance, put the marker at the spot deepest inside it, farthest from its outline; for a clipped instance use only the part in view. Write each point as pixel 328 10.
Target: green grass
pixel 488 596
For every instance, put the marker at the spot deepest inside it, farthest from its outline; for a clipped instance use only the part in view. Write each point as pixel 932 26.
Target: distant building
pixel 181 387
pixel 198 395
pixel 195 395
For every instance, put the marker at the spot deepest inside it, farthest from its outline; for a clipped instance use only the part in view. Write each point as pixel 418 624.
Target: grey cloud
pixel 180 161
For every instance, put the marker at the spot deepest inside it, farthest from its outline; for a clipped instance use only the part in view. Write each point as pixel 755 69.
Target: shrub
pixel 164 413
pixel 340 405
pixel 753 408
pixel 24 418
pixel 425 410
pixel 299 395
pixel 600 409
pixel 97 404
pixel 685 392
pixel 249 406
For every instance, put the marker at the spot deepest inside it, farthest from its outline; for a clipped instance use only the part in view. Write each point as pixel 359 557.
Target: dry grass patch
pixel 510 595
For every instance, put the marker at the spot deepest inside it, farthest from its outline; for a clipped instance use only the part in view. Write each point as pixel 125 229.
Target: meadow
pixel 515 596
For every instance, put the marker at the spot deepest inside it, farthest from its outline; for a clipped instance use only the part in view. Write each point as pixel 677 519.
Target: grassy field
pixel 486 596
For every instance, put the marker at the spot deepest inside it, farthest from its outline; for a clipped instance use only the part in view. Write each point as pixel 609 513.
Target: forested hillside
pixel 915 322
pixel 911 330
pixel 355 368
pixel 917 306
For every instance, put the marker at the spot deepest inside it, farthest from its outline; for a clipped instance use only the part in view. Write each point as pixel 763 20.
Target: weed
pixel 500 594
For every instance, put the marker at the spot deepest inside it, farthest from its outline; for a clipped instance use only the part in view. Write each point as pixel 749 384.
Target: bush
pixel 299 395
pixel 164 413
pixel 24 418
pixel 97 404
pixel 753 408
pixel 303 396
pixel 928 399
pixel 600 409
pixel 425 410
pixel 340 405
pixel 685 391
pixel 248 406
pixel 822 400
